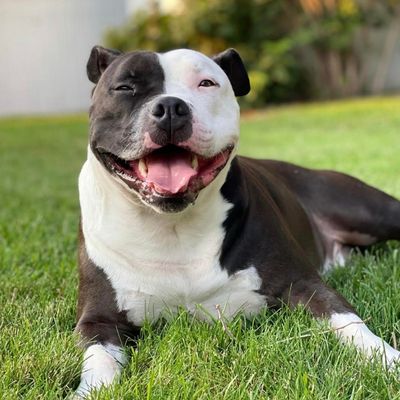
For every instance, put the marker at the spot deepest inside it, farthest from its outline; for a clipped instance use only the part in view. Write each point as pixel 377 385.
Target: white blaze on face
pixel 215 109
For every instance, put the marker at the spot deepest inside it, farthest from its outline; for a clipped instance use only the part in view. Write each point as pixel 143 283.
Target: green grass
pixel 283 355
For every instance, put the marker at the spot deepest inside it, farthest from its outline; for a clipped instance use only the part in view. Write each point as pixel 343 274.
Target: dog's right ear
pixel 100 58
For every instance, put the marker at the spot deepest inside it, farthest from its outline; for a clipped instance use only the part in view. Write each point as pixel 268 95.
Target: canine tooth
pixel 142 167
pixel 195 162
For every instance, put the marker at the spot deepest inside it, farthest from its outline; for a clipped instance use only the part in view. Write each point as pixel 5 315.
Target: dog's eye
pixel 123 88
pixel 207 83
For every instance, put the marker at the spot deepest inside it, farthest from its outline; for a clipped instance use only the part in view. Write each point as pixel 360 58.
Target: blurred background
pixel 295 50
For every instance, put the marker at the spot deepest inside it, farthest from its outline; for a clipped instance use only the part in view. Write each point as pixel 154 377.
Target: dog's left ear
pixel 230 61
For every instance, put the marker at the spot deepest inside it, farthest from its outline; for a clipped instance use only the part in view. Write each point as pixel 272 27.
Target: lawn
pixel 282 355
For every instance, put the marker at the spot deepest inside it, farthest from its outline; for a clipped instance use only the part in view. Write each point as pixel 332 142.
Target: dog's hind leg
pixel 346 212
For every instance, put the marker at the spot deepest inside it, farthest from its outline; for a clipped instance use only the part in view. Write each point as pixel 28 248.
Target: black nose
pixel 171 114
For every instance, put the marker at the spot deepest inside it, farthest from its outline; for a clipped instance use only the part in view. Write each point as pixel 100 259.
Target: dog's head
pixel 165 125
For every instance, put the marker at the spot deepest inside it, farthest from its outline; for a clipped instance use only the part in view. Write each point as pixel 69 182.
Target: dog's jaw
pixel 161 202
pixel 169 178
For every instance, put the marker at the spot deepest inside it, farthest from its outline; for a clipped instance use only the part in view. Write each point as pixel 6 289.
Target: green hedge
pixel 293 49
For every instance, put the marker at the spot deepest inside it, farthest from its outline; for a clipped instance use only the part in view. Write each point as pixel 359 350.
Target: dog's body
pixel 171 218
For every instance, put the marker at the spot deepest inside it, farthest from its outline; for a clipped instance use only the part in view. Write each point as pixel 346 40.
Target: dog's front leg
pixel 102 327
pixel 350 328
pixel 324 302
pixel 104 356
pixel 102 365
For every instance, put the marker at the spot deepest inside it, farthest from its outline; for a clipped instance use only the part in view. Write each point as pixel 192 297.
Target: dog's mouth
pixel 170 171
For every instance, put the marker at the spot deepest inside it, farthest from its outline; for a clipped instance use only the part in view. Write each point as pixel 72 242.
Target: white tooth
pixel 143 167
pixel 195 162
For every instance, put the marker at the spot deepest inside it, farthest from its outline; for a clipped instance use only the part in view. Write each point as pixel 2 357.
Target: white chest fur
pixel 159 263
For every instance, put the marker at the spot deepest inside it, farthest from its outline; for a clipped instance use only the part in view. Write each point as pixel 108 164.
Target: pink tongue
pixel 169 173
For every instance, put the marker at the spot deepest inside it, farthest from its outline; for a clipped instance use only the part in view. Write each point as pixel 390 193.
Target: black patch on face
pixel 130 82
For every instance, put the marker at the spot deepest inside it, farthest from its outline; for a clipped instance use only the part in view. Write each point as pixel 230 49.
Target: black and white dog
pixel 172 217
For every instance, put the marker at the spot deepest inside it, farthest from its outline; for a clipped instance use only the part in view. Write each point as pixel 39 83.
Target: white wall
pixel 44 47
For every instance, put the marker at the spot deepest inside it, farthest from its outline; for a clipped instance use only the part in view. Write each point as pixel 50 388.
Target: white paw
pixel 351 329
pixel 101 367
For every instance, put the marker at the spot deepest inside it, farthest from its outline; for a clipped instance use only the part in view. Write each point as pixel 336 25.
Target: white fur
pixel 340 254
pixel 159 262
pixel 101 365
pixel 351 329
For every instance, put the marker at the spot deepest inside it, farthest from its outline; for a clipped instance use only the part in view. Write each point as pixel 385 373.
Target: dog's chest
pixel 203 290
pixel 157 267
pixel 176 278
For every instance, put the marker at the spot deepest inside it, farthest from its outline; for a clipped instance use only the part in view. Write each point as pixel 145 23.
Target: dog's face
pixel 165 125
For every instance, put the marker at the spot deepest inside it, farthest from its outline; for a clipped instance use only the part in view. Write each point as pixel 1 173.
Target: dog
pixel 171 217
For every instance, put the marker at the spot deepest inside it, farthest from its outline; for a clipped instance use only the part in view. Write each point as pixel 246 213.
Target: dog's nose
pixel 170 115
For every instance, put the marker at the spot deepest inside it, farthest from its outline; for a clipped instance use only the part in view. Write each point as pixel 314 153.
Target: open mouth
pixel 170 171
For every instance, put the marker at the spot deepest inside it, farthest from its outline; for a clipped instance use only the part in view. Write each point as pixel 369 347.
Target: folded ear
pixel 99 59
pixel 230 61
